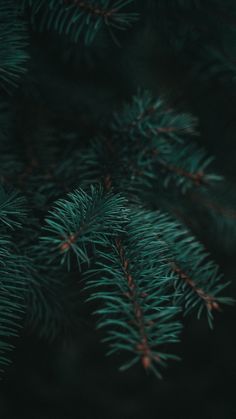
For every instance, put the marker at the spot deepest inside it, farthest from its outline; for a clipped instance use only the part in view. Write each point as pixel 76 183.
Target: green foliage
pixel 13 273
pixel 81 221
pixel 11 298
pixel 12 209
pixel 144 140
pixel 141 265
pixel 197 282
pixel 13 55
pixel 97 207
pixel 131 278
pixel 146 116
pixel 75 18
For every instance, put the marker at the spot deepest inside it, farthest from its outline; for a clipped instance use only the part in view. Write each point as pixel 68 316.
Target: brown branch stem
pixel 209 301
pixel 143 346
pixel 197 178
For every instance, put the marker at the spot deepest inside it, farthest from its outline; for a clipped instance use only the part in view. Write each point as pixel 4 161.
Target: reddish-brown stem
pixel 147 112
pixel 143 346
pixel 67 244
pixel 197 178
pixel 209 301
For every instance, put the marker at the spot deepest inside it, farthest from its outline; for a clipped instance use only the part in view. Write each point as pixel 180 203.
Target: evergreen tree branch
pixel 12 208
pixel 146 117
pixel 145 141
pixel 14 40
pixel 74 17
pixel 145 268
pixel 197 281
pixel 81 221
pixel 131 279
pixel 14 273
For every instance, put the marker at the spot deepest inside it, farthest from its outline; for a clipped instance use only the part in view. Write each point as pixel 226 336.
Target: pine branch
pixel 133 295
pixel 13 54
pixel 143 267
pixel 131 279
pixel 81 222
pixel 14 273
pixel 147 124
pixel 208 300
pixel 146 146
pixel 186 166
pixel 75 18
pixel 97 219
pixel 12 209
pixel 197 281
pixel 148 117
